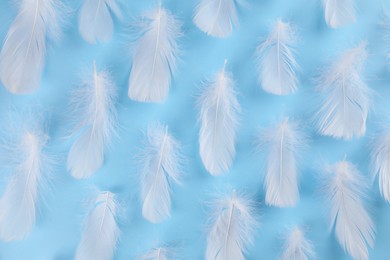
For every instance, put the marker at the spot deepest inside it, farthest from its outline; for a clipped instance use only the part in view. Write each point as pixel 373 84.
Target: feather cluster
pixel 339 12
pixel 297 247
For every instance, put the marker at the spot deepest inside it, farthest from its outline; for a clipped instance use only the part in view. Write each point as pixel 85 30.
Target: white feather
pixel 160 167
pixel 22 57
pixel 297 247
pixel 283 143
pixel 216 17
pixel 155 56
pixel 232 228
pixel 95 21
pixel 345 192
pixel 218 118
pixel 101 231
pixel 339 12
pixel 159 253
pixel 276 62
pixel 346 97
pixel 28 162
pixel 94 110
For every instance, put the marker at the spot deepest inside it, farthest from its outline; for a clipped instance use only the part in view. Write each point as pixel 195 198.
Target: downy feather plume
pixel 155 54
pixel 345 191
pixel 95 21
pixel 297 247
pixel 159 253
pixel 217 17
pixel 22 57
pixel 346 97
pixel 94 111
pixel 101 232
pixel 28 163
pixel 282 143
pixel 232 226
pixel 339 12
pixel 218 118
pixel 160 167
pixel 276 61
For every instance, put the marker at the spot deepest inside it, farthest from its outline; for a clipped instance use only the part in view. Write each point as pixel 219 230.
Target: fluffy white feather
pixel 297 247
pixel 339 12
pixel 160 167
pixel 232 226
pixel 276 62
pixel 282 143
pixel 346 97
pixel 159 253
pixel 22 57
pixel 95 21
pixel 94 111
pixel 218 118
pixel 27 161
pixel 155 56
pixel 345 191
pixel 101 231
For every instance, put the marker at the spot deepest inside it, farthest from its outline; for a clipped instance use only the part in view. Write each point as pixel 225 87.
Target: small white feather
pixel 22 57
pixel 276 62
pixel 159 253
pixel 339 12
pixel 346 190
pixel 283 143
pixel 155 56
pixel 218 117
pixel 297 247
pixel 101 232
pixel 160 167
pixel 94 111
pixel 95 21
pixel 346 97
pixel 232 227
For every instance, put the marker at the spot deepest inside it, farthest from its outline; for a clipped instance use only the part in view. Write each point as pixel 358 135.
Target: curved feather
pixel 345 191
pixel 159 253
pixel 218 117
pixel 155 56
pixel 276 62
pixel 339 12
pixel 94 110
pixel 160 168
pixel 346 97
pixel 22 57
pixel 101 231
pixel 297 247
pixel 95 21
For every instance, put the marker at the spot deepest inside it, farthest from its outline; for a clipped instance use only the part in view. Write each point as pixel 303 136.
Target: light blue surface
pixel 59 225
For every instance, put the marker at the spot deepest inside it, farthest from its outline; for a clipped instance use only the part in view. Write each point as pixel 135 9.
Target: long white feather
pixel 28 164
pixel 160 167
pixel 345 192
pixel 218 118
pixel 22 57
pixel 276 62
pixel 94 110
pixel 95 21
pixel 283 144
pixel 101 232
pixel 159 253
pixel 339 12
pixel 231 231
pixel 155 56
pixel 297 247
pixel 346 97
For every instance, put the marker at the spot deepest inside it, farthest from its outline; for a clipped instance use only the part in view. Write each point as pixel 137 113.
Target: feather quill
pixel 101 232
pixel 297 247
pixel 155 56
pixel 160 167
pixel 218 115
pixel 345 192
pixel 339 12
pixel 346 97
pixel 232 227
pixel 94 110
pixel 159 253
pixel 283 144
pixel 95 21
pixel 22 57
pixel 276 61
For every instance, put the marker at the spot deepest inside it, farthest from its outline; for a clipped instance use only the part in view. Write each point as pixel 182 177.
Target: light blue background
pixel 59 225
